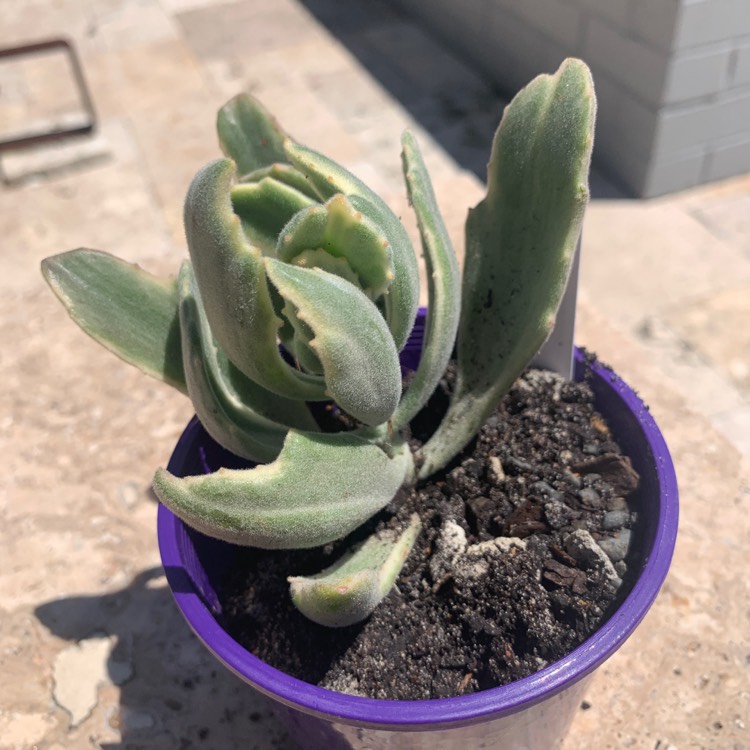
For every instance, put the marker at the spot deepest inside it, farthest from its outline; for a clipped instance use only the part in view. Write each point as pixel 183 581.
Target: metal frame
pixel 32 138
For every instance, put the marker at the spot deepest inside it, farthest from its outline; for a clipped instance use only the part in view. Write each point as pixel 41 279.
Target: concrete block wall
pixel 672 76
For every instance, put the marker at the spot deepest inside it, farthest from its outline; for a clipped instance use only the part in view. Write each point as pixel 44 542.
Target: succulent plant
pixel 303 287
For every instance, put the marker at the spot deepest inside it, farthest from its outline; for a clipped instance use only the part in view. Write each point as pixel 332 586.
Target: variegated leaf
pixel 265 208
pixel 330 178
pixel 342 232
pixel 443 285
pixel 232 282
pixel 249 134
pixel 349 590
pixel 227 417
pixel 520 243
pixel 351 339
pixel 124 308
pixel 320 488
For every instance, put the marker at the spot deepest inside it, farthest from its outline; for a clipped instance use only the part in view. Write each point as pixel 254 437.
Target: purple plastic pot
pixel 530 714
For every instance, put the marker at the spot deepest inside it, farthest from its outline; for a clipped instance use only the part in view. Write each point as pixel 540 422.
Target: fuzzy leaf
pixel 233 287
pixel 320 488
pixel 322 259
pixel 286 411
pixel 286 174
pixel 520 243
pixel 228 417
pixel 265 208
pixel 249 134
pixel 349 590
pixel 343 232
pixel 351 339
pixel 305 356
pixel 299 344
pixel 444 300
pixel 330 178
pixel 127 310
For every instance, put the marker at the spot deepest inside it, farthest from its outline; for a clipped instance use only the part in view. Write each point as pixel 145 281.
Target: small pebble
pixel 558 514
pixel 615 519
pixel 472 467
pixel 543 487
pixel 583 547
pixel 590 497
pixel 520 465
pixel 617 503
pixel 616 547
pixel 572 479
pixel 496 469
pixel 565 457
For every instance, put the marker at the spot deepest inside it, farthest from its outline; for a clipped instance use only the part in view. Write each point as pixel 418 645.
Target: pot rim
pixel 461 710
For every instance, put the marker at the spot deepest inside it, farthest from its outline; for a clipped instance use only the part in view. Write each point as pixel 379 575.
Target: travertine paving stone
pixel 717 326
pixel 681 680
pixel 663 299
pixel 728 217
pixel 659 256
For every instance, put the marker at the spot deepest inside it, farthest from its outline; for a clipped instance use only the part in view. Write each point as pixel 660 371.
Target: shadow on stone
pixel 173 694
pixel 446 95
pixel 442 93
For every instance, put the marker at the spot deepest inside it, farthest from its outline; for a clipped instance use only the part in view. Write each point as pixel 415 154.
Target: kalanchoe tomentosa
pixel 302 287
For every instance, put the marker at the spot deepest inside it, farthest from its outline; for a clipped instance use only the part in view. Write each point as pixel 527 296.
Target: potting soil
pixel 523 553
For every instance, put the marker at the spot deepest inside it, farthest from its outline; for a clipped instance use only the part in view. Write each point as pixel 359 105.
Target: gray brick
pixel 520 44
pixel 490 57
pixel 637 125
pixel 503 5
pixel 616 12
pixel 629 169
pixel 609 105
pixel 685 127
pixel 654 21
pixel 471 13
pixel 679 173
pixel 635 66
pixel 645 55
pixel 624 134
pixel 554 19
pixel 728 159
pixel 740 66
pixel 608 95
pixel 708 21
pixel 415 7
pixel 697 74
pixel 455 26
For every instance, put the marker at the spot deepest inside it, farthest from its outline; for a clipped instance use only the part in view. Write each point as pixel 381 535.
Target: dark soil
pixel 522 555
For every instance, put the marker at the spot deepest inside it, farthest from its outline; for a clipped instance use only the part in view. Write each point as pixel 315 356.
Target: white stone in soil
pixel 494 547
pixel 583 547
pixel 474 563
pixel 452 538
pixel 450 543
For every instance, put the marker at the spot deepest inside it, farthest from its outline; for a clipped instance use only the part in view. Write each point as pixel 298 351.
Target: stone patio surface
pixel 93 653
